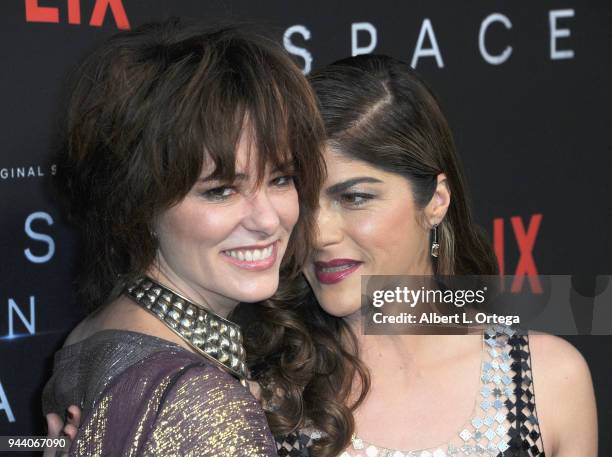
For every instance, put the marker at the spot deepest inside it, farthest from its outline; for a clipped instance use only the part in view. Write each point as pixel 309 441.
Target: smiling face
pixel 223 243
pixel 368 224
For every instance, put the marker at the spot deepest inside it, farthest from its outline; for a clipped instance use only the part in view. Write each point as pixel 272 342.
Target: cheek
pixel 390 236
pixel 288 208
pixel 193 222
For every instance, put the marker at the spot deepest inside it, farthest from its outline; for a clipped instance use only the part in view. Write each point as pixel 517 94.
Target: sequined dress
pixel 504 422
pixel 144 396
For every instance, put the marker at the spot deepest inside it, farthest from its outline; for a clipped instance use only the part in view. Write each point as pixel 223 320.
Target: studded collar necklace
pixel 214 337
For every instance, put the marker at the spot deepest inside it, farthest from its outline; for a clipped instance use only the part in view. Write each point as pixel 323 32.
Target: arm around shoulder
pixel 565 397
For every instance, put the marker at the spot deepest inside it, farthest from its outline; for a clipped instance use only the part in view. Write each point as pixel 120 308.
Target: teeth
pixel 251 255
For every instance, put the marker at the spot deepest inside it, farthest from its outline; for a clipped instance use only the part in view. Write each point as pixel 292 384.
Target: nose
pixel 329 226
pixel 262 215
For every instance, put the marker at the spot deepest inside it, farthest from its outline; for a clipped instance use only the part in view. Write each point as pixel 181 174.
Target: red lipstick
pixel 335 270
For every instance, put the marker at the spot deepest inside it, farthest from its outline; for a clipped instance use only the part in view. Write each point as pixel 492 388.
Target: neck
pixel 207 333
pixel 400 350
pixel 220 305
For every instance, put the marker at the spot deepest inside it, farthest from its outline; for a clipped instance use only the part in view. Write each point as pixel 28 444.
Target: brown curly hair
pixel 148 108
pixel 375 109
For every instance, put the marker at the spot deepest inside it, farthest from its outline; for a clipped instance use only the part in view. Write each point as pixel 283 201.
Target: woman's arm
pixel 565 399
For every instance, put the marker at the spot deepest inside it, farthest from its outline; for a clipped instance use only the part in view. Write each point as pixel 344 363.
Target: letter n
pixel 29 324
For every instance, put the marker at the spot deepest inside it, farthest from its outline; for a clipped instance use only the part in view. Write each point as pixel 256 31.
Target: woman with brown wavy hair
pixel 192 165
pixel 394 202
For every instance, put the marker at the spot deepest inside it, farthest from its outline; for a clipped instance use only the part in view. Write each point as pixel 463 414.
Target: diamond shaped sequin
pixel 465 434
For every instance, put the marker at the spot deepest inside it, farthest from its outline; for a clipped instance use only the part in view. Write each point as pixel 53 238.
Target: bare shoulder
pixel 555 352
pixel 565 398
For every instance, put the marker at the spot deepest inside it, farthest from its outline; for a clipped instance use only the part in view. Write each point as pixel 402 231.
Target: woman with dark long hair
pixel 394 202
pixel 192 165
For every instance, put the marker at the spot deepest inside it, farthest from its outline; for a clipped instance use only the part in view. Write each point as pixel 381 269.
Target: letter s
pixel 296 50
pixel 39 237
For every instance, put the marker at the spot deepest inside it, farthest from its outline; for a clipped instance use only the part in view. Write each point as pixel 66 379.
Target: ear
pixel 438 205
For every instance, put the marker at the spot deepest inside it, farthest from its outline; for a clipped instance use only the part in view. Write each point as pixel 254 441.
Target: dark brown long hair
pixel 376 109
pixel 148 108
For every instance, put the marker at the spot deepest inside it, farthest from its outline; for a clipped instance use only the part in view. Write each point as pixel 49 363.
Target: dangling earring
pixel 435 246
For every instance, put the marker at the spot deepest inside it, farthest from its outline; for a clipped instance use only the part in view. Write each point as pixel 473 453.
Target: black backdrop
pixel 525 85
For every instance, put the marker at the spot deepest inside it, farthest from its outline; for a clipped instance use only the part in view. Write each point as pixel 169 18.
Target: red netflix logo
pixel 525 239
pixel 36 13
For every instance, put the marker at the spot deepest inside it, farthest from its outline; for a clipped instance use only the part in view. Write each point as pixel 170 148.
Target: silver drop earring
pixel 435 246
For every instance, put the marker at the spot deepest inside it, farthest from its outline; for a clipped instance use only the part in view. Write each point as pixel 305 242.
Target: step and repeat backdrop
pixel 527 87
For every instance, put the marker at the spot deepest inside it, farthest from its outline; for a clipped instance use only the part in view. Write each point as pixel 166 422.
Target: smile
pixel 336 270
pixel 252 258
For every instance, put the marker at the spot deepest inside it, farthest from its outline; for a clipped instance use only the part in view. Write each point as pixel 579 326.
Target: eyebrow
pixel 215 177
pixel 286 167
pixel 344 185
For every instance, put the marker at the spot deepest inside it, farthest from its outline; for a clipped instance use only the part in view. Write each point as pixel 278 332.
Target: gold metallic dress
pixel 144 396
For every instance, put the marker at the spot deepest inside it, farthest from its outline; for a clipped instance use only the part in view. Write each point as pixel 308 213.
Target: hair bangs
pixel 236 99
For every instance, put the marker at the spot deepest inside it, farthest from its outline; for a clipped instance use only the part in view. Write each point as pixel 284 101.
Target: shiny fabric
pixel 143 396
pixel 504 421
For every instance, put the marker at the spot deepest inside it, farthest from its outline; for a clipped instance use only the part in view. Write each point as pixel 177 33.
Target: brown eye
pixel 355 198
pixel 219 193
pixel 282 181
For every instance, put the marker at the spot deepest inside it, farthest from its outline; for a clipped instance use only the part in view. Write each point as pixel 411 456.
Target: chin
pixel 257 293
pixel 338 308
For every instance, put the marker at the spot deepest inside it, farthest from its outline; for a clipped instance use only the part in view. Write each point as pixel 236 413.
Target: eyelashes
pixel 283 181
pixel 224 193
pixel 355 199
pixel 220 193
